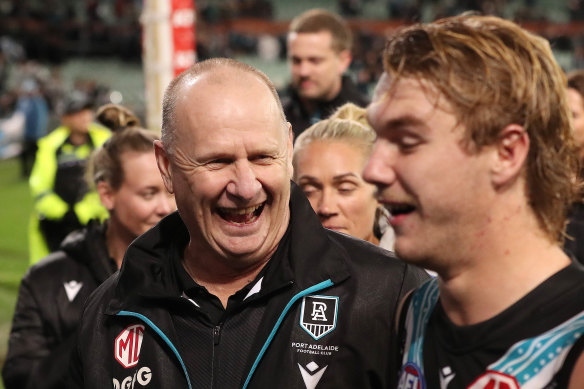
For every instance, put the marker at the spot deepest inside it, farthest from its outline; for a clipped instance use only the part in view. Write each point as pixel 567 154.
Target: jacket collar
pixel 312 257
pixel 88 246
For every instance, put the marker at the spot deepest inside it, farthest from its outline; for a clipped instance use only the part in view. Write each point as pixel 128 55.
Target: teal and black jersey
pixel 532 344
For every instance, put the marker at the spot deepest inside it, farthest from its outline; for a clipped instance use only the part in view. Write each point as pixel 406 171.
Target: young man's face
pixel 436 191
pixel 316 68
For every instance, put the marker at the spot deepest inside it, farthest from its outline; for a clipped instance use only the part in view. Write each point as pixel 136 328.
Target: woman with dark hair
pixel 53 291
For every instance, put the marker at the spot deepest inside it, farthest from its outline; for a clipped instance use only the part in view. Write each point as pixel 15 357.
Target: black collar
pixel 309 257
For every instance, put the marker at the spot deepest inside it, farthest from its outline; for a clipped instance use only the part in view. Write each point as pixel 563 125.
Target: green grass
pixel 15 206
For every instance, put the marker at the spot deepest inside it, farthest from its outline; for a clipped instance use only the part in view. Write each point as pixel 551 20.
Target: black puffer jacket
pixel 324 317
pixel 49 307
pixel 301 119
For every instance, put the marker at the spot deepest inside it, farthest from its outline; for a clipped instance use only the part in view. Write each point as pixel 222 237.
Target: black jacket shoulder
pixel 301 119
pixel 366 282
pixel 48 309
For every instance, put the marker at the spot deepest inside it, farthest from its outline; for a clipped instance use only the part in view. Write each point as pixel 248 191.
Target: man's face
pixel 316 68
pixel 437 192
pixel 78 122
pixel 231 167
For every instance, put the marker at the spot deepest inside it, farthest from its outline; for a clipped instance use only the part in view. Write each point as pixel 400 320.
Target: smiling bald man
pixel 242 287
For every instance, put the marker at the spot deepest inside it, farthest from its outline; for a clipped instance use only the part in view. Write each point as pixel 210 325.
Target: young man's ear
pixel 164 166
pixel 510 155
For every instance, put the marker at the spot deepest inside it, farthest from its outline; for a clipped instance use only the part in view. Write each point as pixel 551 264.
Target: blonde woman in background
pixel 328 160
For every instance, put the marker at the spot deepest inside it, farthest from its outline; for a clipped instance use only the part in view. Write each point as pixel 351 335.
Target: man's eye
pixel 408 142
pixel 218 162
pixel 262 158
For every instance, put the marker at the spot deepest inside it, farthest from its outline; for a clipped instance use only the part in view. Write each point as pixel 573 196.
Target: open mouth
pixel 396 209
pixel 241 215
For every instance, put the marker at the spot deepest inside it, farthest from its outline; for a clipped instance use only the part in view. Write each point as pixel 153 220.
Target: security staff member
pixel 62 201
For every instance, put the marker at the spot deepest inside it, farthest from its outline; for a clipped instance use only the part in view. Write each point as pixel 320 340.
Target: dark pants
pixel 27 156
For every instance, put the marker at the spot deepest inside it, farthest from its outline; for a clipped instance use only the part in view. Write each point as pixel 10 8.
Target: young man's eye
pixel 408 142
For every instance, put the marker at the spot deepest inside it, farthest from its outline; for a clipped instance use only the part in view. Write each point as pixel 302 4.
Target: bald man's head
pixel 219 71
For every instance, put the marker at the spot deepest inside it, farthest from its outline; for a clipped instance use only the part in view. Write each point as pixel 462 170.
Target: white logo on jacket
pixel 318 315
pixel 72 288
pixel 142 376
pixel 311 375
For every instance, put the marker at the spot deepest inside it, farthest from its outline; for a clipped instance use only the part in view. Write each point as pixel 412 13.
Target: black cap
pixel 75 102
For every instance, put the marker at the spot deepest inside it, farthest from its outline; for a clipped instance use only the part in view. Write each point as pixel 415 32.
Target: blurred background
pixel 50 47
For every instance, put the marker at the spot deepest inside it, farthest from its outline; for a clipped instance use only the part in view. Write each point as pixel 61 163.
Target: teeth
pixel 240 211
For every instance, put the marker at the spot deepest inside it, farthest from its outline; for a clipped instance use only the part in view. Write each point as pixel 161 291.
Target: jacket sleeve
pixel 413 277
pixel 42 179
pixel 32 361
pixel 75 377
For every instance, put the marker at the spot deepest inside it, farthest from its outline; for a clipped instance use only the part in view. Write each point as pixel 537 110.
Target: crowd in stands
pixel 50 32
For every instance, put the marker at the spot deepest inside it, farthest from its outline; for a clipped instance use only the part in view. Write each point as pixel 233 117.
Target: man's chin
pixel 309 94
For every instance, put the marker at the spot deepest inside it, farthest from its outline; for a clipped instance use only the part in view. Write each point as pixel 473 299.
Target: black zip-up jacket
pixel 302 119
pixel 49 307
pixel 323 316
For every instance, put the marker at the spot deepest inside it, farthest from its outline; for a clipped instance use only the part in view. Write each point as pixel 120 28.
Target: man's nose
pixel 379 169
pixel 244 184
pixel 303 68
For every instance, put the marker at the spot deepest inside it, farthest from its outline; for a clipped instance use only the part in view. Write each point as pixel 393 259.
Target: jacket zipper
pixel 315 288
pixel 150 324
pixel 216 334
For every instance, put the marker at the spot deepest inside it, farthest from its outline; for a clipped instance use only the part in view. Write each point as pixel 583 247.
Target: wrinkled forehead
pixel 227 99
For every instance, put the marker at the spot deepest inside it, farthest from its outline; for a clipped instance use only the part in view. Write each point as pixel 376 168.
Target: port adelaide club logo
pixel 318 315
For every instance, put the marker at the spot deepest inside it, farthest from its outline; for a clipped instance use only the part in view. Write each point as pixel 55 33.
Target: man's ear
pixel 290 149
pixel 510 155
pixel 345 58
pixel 164 166
pixel 106 195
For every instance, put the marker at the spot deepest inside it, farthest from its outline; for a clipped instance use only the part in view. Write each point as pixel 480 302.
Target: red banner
pixel 182 21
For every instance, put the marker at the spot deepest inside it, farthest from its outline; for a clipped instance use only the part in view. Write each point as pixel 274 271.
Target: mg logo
pixel 128 345
pixel 495 380
pixel 318 315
